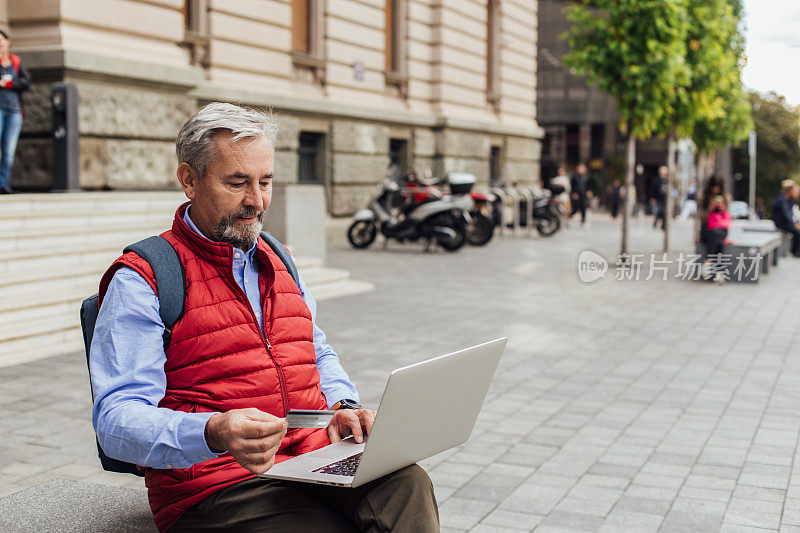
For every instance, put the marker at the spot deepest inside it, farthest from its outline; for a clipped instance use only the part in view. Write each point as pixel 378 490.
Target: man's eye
pixel 265 184
pixel 237 184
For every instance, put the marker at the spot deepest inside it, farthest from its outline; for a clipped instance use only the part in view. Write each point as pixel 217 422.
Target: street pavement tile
pixel 730 528
pixel 790 517
pixel 710 482
pixel 559 520
pixel 620 520
pixel 753 513
pixel 682 522
pixel 593 507
pixel 759 493
pixel 642 505
pixel 484 528
pixel 652 493
pixel 489 487
pixel 501 518
pixel 692 505
pixel 710 494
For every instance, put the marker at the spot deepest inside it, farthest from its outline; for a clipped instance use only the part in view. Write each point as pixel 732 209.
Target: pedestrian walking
pixel 14 80
pixel 615 198
pixel 658 196
pixel 579 183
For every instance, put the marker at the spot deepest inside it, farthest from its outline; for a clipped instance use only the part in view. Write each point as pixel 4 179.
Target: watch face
pixel 349 404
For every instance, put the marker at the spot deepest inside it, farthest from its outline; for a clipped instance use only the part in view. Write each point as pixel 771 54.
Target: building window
pixel 495 166
pixel 398 154
pixel 308 33
pixel 396 16
pixel 493 29
pixel 196 35
pixel 311 158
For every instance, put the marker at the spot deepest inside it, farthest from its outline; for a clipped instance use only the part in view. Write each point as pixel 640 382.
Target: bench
pixel 769 226
pixel 66 505
pixel 759 247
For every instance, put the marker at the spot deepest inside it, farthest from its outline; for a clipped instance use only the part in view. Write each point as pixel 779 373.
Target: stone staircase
pixel 54 247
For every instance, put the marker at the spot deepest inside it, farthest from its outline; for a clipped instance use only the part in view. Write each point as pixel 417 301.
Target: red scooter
pixel 481 227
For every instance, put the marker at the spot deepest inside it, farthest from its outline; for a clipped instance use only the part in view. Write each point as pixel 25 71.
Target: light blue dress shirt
pixel 128 379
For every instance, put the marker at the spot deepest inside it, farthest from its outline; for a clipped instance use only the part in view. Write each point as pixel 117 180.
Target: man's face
pixel 795 192
pixel 581 169
pixel 663 172
pixel 229 202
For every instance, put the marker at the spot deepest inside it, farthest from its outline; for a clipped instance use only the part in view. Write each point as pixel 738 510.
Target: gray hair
pixel 195 142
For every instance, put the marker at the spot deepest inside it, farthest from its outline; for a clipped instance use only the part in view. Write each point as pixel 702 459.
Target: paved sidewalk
pixel 618 406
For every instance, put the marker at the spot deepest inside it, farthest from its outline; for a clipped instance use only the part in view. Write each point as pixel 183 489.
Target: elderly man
pixel 783 212
pixel 204 415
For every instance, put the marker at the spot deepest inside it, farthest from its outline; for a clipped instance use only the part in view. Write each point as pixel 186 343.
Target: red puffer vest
pixel 218 360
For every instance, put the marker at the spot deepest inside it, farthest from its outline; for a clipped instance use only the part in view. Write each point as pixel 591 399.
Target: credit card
pixel 308 418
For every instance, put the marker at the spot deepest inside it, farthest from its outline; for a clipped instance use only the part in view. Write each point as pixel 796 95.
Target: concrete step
pixel 55 247
pixel 26 205
pixel 40 347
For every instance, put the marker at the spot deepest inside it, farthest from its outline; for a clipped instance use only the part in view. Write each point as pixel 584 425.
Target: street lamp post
pixel 751 151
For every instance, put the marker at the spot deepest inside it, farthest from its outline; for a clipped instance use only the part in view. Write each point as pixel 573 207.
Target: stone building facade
pixel 355 84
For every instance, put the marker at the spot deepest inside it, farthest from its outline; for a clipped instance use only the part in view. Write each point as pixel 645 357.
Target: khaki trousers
pixel 400 502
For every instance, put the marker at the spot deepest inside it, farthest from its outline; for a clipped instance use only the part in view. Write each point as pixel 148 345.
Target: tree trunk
pixel 630 168
pixel 672 149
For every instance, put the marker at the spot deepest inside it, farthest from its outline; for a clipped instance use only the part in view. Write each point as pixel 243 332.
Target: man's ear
pixel 188 179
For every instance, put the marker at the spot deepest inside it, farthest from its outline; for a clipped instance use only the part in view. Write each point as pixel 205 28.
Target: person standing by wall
pixel 14 80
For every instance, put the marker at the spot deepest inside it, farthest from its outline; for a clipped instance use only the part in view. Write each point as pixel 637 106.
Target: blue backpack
pixel 171 284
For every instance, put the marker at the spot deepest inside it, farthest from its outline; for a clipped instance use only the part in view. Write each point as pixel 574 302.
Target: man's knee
pixel 405 502
pixel 414 478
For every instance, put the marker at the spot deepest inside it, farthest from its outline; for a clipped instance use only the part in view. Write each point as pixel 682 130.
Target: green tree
pixel 709 104
pixel 778 147
pixel 722 115
pixel 634 51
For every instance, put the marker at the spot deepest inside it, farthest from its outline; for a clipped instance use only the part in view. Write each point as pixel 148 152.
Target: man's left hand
pixel 356 422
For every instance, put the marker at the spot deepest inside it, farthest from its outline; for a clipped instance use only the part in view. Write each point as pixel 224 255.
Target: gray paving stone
pixel 679 521
pixel 511 519
pixel 559 520
pixel 753 513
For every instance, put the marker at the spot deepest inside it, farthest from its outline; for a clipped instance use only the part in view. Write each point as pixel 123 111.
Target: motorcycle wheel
pixel 550 225
pixel 361 233
pixel 480 229
pixel 460 240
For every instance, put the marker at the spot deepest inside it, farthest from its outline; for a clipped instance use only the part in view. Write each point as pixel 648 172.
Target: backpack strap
pixel 281 251
pixel 170 278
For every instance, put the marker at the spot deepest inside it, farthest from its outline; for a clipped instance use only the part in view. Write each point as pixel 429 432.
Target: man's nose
pixel 253 197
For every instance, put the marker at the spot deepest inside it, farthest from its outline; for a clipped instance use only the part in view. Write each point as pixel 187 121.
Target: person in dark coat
pixel 658 196
pixel 579 182
pixel 782 212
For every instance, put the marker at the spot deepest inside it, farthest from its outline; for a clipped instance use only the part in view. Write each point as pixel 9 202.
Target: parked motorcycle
pixel 441 220
pixel 481 227
pixel 545 213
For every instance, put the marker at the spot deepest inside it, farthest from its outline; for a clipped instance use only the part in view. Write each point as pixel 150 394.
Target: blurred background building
pixel 356 84
pixel 581 123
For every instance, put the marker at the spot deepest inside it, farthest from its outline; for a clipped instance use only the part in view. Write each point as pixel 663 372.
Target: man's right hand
pixel 251 436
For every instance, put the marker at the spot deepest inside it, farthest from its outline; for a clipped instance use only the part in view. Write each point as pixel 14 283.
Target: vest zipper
pixel 268 346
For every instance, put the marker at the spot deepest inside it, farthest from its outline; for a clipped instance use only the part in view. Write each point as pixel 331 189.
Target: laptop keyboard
pixel 342 467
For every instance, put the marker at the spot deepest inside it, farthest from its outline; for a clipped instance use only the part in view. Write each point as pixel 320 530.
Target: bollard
pixel 66 149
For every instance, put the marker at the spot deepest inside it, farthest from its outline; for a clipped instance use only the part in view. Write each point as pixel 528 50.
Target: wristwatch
pixel 348 404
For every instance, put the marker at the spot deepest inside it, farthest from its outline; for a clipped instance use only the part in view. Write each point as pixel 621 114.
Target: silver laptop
pixel 426 408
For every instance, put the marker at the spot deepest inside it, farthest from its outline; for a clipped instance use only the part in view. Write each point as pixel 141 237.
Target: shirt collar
pixel 193 227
